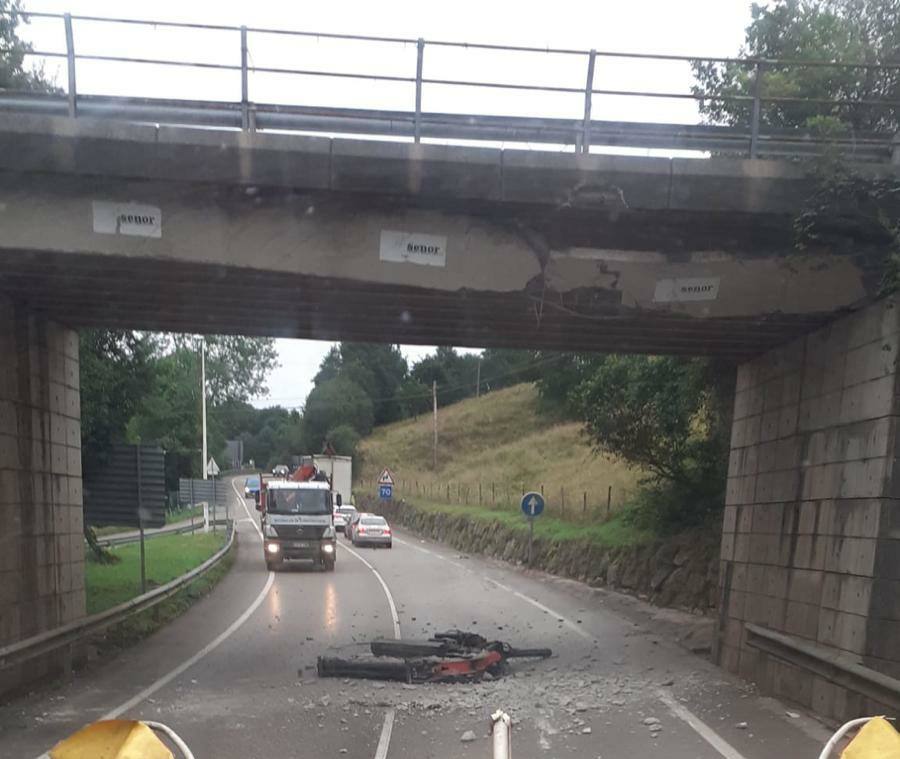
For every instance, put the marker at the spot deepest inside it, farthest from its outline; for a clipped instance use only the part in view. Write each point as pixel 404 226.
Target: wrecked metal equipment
pixel 428 670
pixel 443 645
pixel 446 657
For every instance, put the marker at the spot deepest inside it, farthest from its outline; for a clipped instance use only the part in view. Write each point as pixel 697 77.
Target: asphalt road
pixel 235 675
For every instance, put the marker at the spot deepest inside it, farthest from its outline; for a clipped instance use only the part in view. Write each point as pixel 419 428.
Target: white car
pixel 342 516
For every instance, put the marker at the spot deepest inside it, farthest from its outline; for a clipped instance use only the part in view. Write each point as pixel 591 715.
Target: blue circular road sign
pixel 532 504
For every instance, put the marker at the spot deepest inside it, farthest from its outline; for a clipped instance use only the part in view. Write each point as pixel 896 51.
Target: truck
pixel 339 470
pixel 297 520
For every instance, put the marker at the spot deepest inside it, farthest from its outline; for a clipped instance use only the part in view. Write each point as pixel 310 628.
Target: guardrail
pixel 753 138
pixel 69 634
pixel 834 666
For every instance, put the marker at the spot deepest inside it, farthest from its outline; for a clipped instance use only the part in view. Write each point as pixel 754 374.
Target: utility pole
pixel 434 405
pixel 203 402
pixel 478 379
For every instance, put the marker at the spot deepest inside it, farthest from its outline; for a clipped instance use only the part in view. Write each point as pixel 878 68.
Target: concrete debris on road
pixel 468 736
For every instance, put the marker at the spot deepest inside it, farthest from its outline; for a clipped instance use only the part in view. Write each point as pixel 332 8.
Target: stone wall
pixel 678 572
pixel 810 534
pixel 41 540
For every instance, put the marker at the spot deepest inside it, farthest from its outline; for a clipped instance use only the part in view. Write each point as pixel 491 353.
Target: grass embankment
pixel 167 557
pixel 502 442
pixel 616 532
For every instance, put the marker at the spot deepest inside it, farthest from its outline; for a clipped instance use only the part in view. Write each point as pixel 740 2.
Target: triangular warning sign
pixel 386 478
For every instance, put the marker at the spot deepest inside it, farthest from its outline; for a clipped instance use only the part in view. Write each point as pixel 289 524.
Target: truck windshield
pixel 299 502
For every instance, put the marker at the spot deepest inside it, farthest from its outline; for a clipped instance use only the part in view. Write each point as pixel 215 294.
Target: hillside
pixel 499 438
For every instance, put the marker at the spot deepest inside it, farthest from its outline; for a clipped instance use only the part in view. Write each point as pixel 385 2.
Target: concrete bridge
pixel 112 224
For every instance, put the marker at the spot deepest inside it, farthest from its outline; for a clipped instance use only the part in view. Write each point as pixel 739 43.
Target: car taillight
pixel 387 530
pixel 361 530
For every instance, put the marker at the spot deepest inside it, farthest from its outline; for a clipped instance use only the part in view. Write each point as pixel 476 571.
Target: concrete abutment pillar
pixel 41 535
pixel 811 532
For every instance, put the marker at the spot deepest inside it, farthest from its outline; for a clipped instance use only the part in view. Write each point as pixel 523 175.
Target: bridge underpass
pixel 169 228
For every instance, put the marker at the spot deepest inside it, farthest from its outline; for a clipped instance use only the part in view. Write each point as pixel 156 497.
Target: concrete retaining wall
pixel 811 532
pixel 678 572
pixel 41 540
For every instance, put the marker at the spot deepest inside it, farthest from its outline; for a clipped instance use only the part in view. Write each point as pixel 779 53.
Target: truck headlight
pixel 269 531
pixel 329 532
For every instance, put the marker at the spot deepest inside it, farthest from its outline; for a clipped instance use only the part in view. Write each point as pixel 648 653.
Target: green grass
pixel 615 533
pixel 167 557
pixel 139 626
pixel 502 442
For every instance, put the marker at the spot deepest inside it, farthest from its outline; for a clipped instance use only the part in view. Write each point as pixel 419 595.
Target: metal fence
pixel 571 504
pixel 752 138
pixel 193 491
pixel 129 490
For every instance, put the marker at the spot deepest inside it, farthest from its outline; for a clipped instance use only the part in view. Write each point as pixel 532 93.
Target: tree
pixel 560 378
pixel 330 367
pixel 848 213
pixel 866 31
pixel 413 397
pixel 236 370
pixel 332 404
pixel 455 374
pixel 14 74
pixel 344 439
pixel 236 367
pixel 117 371
pixel 380 371
pixel 501 367
pixel 672 417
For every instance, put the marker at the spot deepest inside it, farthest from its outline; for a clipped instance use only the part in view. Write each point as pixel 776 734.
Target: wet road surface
pixel 235 676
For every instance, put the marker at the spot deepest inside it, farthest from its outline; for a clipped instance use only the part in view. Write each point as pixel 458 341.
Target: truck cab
pixel 297 523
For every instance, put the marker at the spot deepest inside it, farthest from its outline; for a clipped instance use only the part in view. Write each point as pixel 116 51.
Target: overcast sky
pixel 690 27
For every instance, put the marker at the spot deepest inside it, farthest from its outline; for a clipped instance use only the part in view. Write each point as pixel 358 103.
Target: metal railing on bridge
pixel 755 138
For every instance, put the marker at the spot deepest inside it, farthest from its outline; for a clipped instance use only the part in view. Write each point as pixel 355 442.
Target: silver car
pixel 342 517
pixel 372 530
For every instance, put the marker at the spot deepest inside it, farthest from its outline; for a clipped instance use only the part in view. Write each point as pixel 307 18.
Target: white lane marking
pixel 700 727
pixel 413 546
pixel 390 599
pixel 208 648
pixel 387 727
pixel 574 627
pixel 188 663
pixel 244 504
pixel 384 740
pixel 577 629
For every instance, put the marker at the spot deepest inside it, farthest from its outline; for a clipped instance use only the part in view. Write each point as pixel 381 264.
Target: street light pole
pixel 203 402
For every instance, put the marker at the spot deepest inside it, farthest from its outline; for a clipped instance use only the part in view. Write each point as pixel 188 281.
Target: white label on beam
pixel 686 289
pixel 413 248
pixel 133 219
